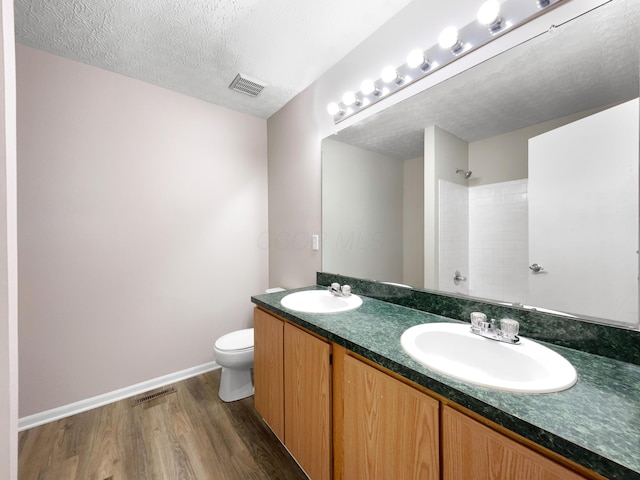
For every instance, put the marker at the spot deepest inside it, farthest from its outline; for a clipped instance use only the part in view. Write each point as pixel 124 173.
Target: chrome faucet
pixel 340 291
pixel 508 331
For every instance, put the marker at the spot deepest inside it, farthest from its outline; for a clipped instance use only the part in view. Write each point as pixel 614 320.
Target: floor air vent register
pixel 152 396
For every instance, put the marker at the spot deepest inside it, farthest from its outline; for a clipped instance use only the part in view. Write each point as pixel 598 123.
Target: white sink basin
pixel 320 301
pixel 451 349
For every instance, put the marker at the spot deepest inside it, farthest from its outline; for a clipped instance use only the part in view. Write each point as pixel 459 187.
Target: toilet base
pixel 235 384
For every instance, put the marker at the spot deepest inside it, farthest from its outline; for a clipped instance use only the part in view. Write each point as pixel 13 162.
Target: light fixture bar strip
pixel 513 13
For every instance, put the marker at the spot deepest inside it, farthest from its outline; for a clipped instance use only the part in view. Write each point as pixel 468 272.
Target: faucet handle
pixel 509 328
pixel 476 319
pixel 346 290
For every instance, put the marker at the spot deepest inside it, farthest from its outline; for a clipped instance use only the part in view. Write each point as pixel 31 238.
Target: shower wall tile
pixel 498 239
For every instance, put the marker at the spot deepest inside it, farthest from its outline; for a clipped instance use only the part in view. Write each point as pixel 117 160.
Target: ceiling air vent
pixel 247 85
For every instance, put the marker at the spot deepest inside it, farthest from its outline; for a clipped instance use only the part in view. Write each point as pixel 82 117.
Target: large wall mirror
pixel 515 181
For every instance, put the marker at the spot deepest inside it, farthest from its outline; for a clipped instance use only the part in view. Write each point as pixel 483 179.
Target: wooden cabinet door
pixel 307 398
pixel 474 451
pixel 268 372
pixel 390 429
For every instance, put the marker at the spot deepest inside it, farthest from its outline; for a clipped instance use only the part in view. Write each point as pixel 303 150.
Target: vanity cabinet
pixel 388 429
pixel 344 417
pixel 473 451
pixel 292 377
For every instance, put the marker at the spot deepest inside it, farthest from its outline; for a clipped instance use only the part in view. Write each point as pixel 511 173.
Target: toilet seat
pixel 240 340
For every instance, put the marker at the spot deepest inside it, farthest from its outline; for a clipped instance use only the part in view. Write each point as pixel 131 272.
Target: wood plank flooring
pixel 187 435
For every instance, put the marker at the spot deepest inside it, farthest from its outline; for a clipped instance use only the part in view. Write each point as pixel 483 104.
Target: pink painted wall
pixel 8 251
pixel 294 193
pixel 142 219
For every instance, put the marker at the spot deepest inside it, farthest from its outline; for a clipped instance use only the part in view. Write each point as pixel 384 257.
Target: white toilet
pixel 234 353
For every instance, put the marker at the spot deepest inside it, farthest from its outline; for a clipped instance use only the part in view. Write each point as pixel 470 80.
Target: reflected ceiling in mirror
pixel 586 63
pixel 369 214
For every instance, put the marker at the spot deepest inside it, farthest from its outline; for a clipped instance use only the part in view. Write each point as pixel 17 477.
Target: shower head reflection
pixel 466 173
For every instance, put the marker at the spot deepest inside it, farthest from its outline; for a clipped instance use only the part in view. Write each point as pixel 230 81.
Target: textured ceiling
pixel 590 62
pixel 197 47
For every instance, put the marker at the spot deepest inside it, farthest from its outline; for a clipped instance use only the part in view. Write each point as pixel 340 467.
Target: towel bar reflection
pixel 457 277
pixel 535 268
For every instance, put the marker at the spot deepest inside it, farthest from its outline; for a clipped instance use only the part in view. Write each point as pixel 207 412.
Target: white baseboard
pixel 120 394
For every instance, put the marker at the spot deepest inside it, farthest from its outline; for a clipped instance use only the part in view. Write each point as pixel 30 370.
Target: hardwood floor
pixel 187 435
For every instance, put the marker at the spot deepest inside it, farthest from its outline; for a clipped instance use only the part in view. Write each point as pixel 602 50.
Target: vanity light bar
pixel 494 19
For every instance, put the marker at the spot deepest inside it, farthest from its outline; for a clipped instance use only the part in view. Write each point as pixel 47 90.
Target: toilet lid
pixel 238 340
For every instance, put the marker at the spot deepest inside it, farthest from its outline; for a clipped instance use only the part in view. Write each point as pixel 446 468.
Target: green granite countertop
pixel 596 423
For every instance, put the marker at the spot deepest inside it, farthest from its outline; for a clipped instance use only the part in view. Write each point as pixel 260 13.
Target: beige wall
pixel 294 193
pixel 141 220
pixel 362 199
pixel 8 257
pixel 504 158
pixel 413 222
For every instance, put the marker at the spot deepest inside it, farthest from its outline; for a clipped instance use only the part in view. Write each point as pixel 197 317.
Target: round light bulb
pixel 333 108
pixel 449 37
pixel 349 98
pixel 489 14
pixel 389 74
pixel 415 58
pixel 368 86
